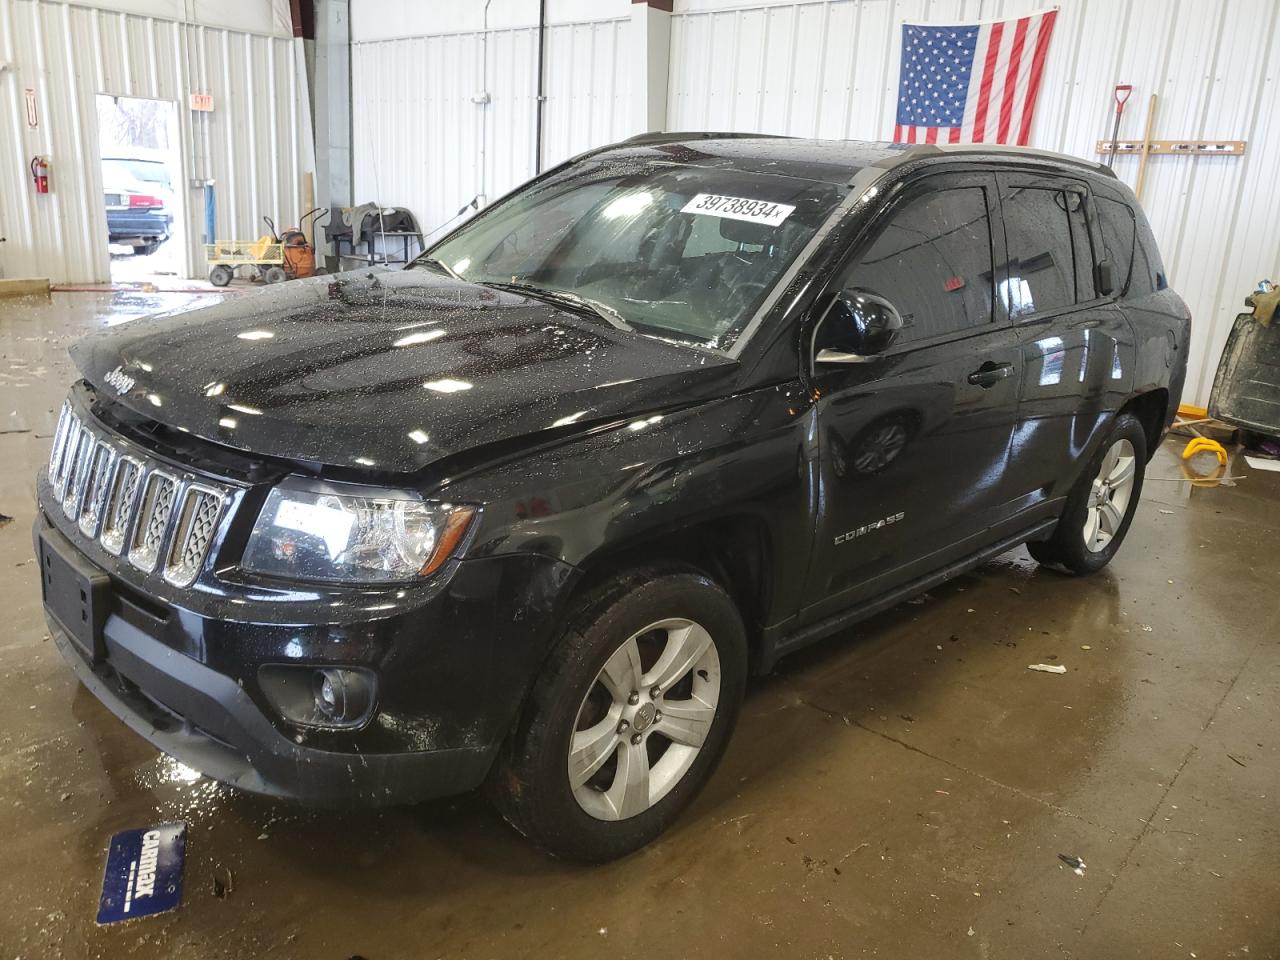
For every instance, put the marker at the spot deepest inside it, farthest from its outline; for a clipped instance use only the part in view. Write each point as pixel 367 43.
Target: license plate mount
pixel 76 594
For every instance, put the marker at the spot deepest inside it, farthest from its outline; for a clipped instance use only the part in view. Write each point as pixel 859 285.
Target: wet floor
pixel 902 790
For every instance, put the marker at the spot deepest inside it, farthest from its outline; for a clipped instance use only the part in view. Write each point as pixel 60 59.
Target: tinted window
pixel 1041 257
pixel 1116 220
pixel 933 262
pixel 1148 270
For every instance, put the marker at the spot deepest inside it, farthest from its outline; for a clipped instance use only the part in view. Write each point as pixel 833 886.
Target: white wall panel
pixel 421 142
pixel 829 68
pixel 251 145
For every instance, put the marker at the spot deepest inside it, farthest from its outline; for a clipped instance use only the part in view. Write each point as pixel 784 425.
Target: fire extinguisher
pixel 40 174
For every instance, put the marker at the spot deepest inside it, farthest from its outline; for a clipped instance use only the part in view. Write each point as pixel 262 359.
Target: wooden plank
pixel 25 287
pixel 1186 410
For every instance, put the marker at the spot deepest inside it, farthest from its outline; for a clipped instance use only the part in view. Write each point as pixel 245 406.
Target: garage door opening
pixel 141 176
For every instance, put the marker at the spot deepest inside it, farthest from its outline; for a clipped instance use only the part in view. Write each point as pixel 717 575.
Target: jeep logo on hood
pixel 119 379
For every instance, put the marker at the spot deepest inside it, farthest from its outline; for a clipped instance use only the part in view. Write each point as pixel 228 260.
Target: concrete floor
pixel 900 791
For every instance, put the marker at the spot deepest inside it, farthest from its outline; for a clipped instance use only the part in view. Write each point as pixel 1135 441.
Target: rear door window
pixel 1042 257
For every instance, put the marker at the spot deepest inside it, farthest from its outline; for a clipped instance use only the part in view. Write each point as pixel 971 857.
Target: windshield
pixel 682 252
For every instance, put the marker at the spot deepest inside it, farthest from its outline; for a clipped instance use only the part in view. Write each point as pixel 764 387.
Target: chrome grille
pixel 116 494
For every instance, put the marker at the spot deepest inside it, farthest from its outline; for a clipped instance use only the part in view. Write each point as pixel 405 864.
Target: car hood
pixel 390 370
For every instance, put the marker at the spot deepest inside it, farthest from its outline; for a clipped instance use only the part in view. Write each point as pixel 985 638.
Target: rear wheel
pixel 628 718
pixel 220 275
pixel 275 275
pixel 1101 506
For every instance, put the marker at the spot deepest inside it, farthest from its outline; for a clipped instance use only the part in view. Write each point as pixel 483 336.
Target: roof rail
pixel 929 149
pixel 646 139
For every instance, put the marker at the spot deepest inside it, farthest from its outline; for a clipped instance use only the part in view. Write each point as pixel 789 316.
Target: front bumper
pixel 451 679
pixel 206 721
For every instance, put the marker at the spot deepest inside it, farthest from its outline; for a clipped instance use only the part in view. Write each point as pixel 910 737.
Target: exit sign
pixel 202 102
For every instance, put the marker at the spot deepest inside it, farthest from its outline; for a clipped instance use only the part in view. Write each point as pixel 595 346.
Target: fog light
pixel 334 698
pixel 342 696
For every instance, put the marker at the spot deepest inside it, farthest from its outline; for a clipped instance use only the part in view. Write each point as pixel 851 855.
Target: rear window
pixel 151 172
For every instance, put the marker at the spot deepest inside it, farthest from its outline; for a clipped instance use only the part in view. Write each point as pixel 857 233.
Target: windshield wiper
pixel 565 299
pixel 433 261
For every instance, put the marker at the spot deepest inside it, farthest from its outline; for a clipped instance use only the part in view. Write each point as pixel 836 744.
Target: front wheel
pixel 1101 506
pixel 628 718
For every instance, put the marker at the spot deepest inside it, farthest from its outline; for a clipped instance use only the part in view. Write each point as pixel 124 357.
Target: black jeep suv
pixel 528 512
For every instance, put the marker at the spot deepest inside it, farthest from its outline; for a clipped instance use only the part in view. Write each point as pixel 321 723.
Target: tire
pixel 274 275
pixel 1077 546
pixel 594 817
pixel 146 249
pixel 220 275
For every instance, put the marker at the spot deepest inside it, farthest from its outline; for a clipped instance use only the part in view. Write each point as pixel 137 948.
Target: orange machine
pixel 299 254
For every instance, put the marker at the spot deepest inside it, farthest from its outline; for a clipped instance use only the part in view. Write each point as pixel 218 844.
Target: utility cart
pixel 264 256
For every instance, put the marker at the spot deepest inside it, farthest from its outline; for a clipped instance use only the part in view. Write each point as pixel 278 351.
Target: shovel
pixel 1122 92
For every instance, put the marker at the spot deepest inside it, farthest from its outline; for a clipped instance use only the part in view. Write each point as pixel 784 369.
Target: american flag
pixel 971 83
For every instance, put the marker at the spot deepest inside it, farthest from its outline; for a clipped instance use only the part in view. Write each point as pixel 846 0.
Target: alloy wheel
pixel 1109 495
pixel 644 719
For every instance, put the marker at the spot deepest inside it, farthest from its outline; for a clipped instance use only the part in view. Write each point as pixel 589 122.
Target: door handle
pixel 989 374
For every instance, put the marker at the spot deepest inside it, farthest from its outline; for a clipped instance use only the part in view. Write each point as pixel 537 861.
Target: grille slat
pixel 58 474
pixel 119 509
pixel 95 494
pixel 60 438
pixel 153 519
pixel 197 524
pixel 132 505
pixel 78 474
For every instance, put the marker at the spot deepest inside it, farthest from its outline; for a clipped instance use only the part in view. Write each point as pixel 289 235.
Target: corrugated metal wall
pixel 829 68
pixel 252 145
pixel 421 142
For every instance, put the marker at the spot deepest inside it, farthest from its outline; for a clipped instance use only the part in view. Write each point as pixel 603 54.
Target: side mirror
pixel 859 326
pixel 1104 278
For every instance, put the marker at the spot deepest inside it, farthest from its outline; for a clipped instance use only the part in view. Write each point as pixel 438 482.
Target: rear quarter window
pixel 1148 268
pixel 1119 231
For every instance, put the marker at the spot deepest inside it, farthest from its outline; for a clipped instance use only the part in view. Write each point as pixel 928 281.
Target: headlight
pixel 348 532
